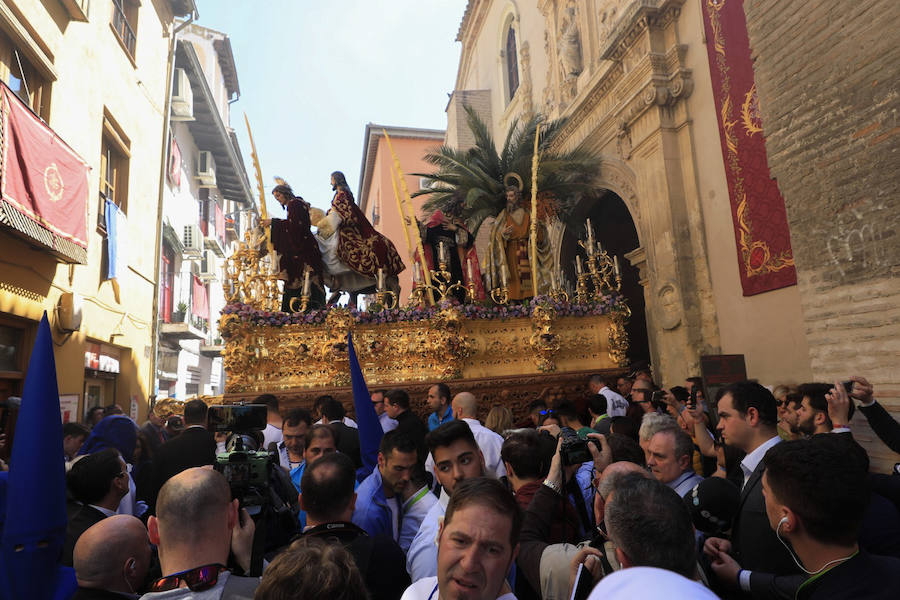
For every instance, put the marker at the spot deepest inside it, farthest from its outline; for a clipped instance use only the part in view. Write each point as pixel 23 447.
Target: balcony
pixel 184 329
pixel 212 346
pixel 215 243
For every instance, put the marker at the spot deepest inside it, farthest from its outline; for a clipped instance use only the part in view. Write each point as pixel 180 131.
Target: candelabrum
pixel 251 277
pixel 441 284
pixel 603 273
pixel 500 295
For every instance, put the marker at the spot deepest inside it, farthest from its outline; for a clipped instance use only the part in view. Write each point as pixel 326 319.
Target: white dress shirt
pixel 752 460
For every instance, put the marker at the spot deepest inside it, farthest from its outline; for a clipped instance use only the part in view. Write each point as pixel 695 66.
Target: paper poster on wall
pixel 68 408
pixel 134 408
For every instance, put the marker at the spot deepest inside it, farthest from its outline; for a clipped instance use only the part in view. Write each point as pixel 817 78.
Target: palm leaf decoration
pixel 472 180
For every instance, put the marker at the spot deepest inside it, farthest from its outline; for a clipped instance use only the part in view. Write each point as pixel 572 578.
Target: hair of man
pixel 90 477
pixel 750 394
pixel 396 440
pixel 597 404
pixel 684 445
pixel 488 493
pixel 191 503
pixel 295 416
pixel 195 412
pixel 654 422
pixel 565 410
pixel 651 525
pixel 398 397
pixel 312 569
pixel 795 399
pixel 818 401
pixel 333 410
pixel 527 454
pixel 327 486
pixel 536 405
pixel 270 400
pixel 823 483
pixel 75 430
pixel 625 449
pixel 625 426
pixel 318 432
pixel 448 433
pixel 319 402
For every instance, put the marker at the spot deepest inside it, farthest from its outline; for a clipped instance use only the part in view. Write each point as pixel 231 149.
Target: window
pixel 124 23
pixel 512 63
pixel 114 155
pixel 204 211
pixel 23 79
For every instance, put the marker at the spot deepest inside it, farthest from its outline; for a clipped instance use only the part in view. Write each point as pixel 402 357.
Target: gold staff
pixel 534 193
pixel 409 220
pixel 264 214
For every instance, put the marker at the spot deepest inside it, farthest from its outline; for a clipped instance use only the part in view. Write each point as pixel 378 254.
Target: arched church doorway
pixel 614 229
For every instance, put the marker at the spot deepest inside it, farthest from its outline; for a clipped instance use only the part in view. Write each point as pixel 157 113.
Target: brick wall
pixel 458 133
pixel 828 79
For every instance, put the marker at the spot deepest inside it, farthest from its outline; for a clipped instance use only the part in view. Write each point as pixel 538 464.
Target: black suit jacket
pixel 755 545
pixel 81 520
pixel 347 441
pixel 195 447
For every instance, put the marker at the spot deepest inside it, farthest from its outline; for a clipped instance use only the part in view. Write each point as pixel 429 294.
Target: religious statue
pixel 296 248
pixel 509 252
pixel 355 252
pixel 446 232
pixel 570 46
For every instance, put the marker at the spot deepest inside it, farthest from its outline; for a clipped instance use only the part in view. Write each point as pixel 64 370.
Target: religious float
pixel 504 351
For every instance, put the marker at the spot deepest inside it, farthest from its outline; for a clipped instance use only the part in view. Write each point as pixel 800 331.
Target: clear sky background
pixel 313 73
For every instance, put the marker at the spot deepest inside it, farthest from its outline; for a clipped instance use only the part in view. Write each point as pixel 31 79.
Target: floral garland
pixel 248 314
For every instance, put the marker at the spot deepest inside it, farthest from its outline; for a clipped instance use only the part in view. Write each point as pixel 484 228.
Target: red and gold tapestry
pixel 765 259
pixel 42 178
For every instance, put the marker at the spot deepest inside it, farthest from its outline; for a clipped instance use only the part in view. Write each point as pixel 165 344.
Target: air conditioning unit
pixel 206 169
pixel 182 97
pixel 208 266
pixel 192 241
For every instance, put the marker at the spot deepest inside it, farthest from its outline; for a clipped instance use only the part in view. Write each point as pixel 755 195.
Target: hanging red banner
pixel 762 235
pixel 42 177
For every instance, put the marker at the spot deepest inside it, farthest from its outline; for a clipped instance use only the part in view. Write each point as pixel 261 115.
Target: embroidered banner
pixel 42 178
pixel 763 238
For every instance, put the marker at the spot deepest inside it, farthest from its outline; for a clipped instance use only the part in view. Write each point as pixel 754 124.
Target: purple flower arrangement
pixel 486 311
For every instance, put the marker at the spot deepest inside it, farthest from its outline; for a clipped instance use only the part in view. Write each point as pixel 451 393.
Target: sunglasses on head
pixel 196 579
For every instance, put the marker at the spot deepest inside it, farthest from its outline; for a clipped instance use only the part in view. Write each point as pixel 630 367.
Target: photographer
pixel 547 508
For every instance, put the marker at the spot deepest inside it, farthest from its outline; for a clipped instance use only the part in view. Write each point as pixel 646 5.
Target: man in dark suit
pixel 328 499
pixel 194 447
pixel 346 437
pixel 98 481
pixel 396 405
pixel 747 420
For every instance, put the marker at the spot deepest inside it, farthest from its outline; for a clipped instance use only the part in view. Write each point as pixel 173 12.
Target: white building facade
pixel 206 208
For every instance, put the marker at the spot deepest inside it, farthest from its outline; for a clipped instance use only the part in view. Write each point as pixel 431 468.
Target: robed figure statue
pixel 510 252
pixel 358 247
pixel 297 249
pixel 447 231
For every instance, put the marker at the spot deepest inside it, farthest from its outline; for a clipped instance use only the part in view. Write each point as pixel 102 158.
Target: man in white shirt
pixel 317 407
pixel 465 408
pixel 456 458
pixel 616 405
pixel 477 544
pixel 747 419
pixel 272 432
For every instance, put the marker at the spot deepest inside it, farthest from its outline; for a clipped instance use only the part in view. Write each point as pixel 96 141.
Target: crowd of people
pixel 631 491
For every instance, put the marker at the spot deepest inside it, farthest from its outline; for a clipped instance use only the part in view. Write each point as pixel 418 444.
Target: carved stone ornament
pixel 670 311
pixel 569 46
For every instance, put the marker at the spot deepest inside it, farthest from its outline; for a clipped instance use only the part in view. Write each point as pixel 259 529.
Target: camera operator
pixel 858 388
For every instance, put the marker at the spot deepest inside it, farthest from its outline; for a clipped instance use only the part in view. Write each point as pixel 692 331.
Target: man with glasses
pixel 195 527
pixel 641 394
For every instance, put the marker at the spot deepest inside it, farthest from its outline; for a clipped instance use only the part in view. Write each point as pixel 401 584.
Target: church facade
pixel 633 81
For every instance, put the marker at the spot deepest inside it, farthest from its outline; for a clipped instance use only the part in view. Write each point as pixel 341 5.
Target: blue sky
pixel 312 73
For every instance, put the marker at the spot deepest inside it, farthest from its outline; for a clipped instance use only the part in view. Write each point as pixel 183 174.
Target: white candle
pixel 616 265
pixel 578 268
pixel 380 279
pixel 504 276
pixel 306 281
pixel 416 274
pixel 469 269
pixel 442 252
pixel 552 280
pixel 590 232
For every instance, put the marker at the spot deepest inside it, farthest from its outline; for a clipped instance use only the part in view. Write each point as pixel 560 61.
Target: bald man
pixel 196 524
pixel 111 558
pixel 465 408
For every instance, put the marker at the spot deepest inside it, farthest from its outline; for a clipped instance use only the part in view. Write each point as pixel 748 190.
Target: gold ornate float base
pixel 445 347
